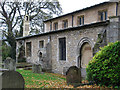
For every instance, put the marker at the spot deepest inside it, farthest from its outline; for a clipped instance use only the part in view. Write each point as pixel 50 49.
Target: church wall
pixel 72 39
pixel 35 47
pixel 90 16
pixel 119 8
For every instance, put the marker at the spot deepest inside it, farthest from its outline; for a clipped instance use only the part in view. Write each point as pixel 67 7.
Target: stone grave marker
pixel 9 64
pixel 12 80
pixel 65 70
pixel 36 68
pixel 73 75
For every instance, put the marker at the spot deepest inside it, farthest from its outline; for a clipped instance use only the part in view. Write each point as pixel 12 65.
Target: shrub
pixel 5 51
pixel 104 68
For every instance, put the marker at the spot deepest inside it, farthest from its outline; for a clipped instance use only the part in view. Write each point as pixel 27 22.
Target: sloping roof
pixel 77 11
pixel 67 29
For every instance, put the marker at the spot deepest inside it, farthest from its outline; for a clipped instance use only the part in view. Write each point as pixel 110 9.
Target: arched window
pixel 40 55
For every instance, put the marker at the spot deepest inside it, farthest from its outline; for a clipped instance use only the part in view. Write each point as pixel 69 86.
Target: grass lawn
pixel 48 80
pixel 45 80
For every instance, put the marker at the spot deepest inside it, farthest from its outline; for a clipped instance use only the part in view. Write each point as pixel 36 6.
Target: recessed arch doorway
pixel 85 54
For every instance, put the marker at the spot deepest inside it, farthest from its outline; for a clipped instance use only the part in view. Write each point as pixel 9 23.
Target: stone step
pixel 27 68
pixel 23 65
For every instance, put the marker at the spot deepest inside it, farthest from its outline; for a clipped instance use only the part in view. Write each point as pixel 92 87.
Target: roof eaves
pixel 71 28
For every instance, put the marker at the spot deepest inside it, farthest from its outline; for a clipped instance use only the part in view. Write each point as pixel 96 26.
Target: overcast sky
pixel 73 5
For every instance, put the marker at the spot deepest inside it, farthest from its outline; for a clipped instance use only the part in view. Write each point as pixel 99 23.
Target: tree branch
pixel 19 11
pixel 15 23
pixel 3 10
pixel 13 14
pixel 3 19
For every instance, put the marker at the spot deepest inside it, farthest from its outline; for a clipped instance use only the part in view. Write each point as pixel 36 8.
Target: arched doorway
pixel 85 54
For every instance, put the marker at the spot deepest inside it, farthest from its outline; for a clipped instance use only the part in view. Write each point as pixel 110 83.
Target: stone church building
pixel 72 39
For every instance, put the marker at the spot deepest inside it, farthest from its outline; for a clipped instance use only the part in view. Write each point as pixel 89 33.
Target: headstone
pixel 12 80
pixel 73 75
pixel 65 69
pixel 36 68
pixel 9 64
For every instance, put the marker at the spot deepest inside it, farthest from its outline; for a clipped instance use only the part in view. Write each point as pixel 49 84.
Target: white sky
pixel 73 5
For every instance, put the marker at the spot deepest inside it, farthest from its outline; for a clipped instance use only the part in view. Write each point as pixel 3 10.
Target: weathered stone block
pixel 36 68
pixel 9 64
pixel 73 75
pixel 12 79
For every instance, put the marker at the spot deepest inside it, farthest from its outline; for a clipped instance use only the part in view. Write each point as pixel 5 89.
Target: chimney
pixel 26 25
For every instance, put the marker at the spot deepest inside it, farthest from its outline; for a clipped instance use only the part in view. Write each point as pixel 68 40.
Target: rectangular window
pixel 62 48
pixel 102 15
pixel 41 44
pixel 81 20
pixel 56 26
pixel 28 49
pixel 65 23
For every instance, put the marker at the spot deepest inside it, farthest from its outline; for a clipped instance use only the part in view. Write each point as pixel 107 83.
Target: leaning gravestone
pixel 9 64
pixel 73 75
pixel 36 68
pixel 12 80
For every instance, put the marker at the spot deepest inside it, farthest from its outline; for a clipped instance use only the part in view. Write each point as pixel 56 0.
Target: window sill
pixel 81 25
pixel 62 60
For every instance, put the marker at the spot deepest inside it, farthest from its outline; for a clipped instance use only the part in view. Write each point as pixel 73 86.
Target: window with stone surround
pixel 28 49
pixel 41 44
pixel 65 23
pixel 102 15
pixel 56 26
pixel 81 20
pixel 62 48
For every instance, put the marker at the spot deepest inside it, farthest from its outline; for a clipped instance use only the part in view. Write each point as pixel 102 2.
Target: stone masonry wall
pixel 88 16
pixel 35 47
pixel 73 38
pixel 113 29
pixel 119 29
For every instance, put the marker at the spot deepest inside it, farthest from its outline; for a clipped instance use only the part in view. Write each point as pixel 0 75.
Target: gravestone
pixel 9 64
pixel 12 80
pixel 36 68
pixel 65 69
pixel 73 75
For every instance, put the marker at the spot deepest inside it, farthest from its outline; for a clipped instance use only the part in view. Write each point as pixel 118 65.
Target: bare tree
pixel 12 15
